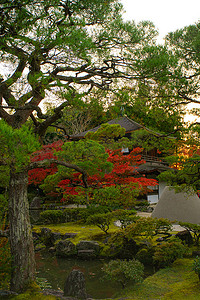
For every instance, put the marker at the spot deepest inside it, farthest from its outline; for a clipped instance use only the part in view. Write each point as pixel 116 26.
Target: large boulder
pixel 88 245
pixel 48 237
pixel 87 249
pixel 65 248
pixel 75 285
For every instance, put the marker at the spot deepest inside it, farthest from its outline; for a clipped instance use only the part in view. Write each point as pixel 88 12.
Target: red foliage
pixel 124 171
pixel 37 176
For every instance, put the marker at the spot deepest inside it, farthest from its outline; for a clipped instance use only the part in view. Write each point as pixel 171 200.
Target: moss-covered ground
pixel 174 283
pixel 84 232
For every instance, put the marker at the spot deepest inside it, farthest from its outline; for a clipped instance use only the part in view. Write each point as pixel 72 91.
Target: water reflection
pixel 56 270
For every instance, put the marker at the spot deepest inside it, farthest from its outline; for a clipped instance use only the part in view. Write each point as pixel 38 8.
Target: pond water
pixel 56 270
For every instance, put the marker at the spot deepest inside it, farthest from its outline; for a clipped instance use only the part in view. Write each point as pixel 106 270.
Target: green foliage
pixel 145 255
pixel 166 253
pixel 186 177
pixel 124 242
pixel 125 217
pixel 124 271
pixel 116 196
pixel 43 283
pixel 150 140
pixel 148 228
pixel 194 229
pixel 74 214
pixel 88 155
pixel 18 145
pixel 111 136
pixel 103 221
pixel 3 208
pixel 4 176
pixel 79 215
pixel 106 133
pixel 196 266
pixel 52 217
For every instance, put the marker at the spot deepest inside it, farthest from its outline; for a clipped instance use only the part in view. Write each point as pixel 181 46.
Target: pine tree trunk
pixel 21 242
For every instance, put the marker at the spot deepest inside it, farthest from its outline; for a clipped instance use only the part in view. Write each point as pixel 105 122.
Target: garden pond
pixel 55 270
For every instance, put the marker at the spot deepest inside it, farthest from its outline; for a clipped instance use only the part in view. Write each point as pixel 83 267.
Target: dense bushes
pixel 124 271
pixel 194 230
pixel 71 214
pixel 52 217
pixel 166 253
pixel 196 266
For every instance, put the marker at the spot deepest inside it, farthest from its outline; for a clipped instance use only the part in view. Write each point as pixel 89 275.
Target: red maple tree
pixel 124 173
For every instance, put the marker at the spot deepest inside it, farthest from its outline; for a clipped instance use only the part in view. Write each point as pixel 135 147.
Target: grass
pixel 84 232
pixel 33 296
pixel 175 283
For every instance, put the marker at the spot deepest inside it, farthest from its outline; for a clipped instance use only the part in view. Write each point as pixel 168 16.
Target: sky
pixel 167 15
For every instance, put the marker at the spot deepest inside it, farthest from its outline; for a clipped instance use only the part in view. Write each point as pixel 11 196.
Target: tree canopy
pixel 60 47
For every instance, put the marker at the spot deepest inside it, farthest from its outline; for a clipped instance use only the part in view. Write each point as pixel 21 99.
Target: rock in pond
pixel 87 249
pixel 65 248
pixel 88 245
pixel 75 285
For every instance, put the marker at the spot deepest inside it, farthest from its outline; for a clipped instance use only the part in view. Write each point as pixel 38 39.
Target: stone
pixel 68 235
pixel 65 248
pixel 185 236
pixel 46 236
pixel 49 238
pixel 39 247
pixel 45 231
pixel 75 285
pixel 87 254
pixel 88 245
pixel 196 253
pixel 55 236
pixel 36 235
pixel 4 294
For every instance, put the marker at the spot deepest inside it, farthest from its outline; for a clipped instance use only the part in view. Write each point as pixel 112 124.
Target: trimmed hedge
pixel 70 214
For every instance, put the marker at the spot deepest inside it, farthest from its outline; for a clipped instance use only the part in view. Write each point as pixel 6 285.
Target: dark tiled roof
pixel 149 167
pixel 124 122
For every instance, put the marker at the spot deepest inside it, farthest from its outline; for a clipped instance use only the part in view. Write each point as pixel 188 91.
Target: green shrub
pixel 52 216
pixel 194 229
pixel 103 221
pixel 126 217
pixel 124 271
pixel 81 214
pixel 145 255
pixel 74 214
pixel 196 266
pixel 3 209
pixel 166 253
pixel 119 245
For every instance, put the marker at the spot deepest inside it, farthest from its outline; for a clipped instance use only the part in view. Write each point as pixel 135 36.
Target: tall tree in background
pixel 185 44
pixel 55 49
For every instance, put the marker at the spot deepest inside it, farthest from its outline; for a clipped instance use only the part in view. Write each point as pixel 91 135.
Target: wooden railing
pixel 149 158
